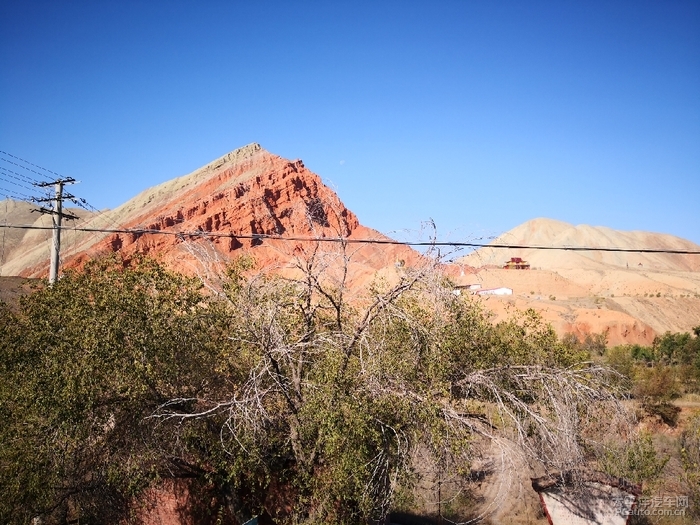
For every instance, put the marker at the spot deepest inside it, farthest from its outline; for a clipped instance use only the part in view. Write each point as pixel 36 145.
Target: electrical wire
pixel 16 195
pixel 24 168
pixel 19 185
pixel 23 179
pixel 27 162
pixel 262 236
pixel 18 176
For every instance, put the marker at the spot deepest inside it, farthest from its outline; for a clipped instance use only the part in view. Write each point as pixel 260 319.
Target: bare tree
pixel 332 392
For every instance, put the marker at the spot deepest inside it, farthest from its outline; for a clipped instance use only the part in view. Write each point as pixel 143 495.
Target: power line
pixel 57 214
pixel 262 236
pixel 18 176
pixel 82 203
pixel 20 181
pixel 23 180
pixel 27 162
pixel 23 167
pixel 16 195
pixel 15 183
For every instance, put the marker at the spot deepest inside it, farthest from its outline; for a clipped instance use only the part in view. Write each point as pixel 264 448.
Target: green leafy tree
pixel 620 358
pixel 643 353
pixel 593 344
pixel 669 348
pixel 84 362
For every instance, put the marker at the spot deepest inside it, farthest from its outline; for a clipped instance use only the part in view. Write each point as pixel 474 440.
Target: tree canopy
pixel 294 398
pixel 84 362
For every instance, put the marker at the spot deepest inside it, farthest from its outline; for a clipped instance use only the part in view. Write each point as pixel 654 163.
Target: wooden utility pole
pixel 57 216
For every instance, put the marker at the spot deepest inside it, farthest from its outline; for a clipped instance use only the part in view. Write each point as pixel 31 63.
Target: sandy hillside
pixel 631 296
pixel 17 243
pixel 551 233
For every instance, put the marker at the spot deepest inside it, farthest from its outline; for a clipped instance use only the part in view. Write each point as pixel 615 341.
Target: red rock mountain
pixel 631 297
pixel 246 192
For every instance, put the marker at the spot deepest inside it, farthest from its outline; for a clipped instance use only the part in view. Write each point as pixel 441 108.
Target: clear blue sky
pixel 479 115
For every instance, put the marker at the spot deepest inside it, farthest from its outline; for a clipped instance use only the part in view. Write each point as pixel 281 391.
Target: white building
pixel 495 291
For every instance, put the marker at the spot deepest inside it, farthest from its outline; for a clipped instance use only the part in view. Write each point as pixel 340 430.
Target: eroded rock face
pixel 245 193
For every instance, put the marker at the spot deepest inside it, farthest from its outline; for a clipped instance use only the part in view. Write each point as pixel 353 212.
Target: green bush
pixel 656 384
pixel 673 349
pixel 643 353
pixel 591 344
pixel 636 461
pixel 84 363
pixel 689 445
pixel 620 359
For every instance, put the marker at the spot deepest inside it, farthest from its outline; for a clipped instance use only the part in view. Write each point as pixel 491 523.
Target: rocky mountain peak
pixel 244 193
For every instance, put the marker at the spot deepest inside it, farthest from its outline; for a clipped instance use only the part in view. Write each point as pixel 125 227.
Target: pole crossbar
pixel 65 215
pixel 66 180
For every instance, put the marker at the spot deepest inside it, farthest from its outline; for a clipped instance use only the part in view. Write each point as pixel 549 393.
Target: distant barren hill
pixel 549 232
pixel 630 296
pixel 246 192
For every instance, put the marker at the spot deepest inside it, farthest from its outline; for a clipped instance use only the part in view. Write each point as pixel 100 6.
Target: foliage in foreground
pixel 690 460
pixel 83 364
pixel 289 398
pixel 636 461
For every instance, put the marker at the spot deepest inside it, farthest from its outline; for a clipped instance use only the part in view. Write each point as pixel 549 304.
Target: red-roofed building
pixel 516 263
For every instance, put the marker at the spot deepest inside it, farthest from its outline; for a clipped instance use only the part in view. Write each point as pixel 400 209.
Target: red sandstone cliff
pixel 246 192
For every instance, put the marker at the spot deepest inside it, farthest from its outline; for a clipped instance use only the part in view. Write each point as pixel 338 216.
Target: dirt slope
pixel 548 232
pixel 630 296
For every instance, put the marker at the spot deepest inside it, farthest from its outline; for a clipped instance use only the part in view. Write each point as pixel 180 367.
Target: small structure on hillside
pixel 495 291
pixel 580 497
pixel 516 263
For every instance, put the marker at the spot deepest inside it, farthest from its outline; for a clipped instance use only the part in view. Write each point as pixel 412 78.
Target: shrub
pixel 689 445
pixel 84 362
pixel 656 384
pixel 670 348
pixel 643 353
pixel 620 359
pixel 636 461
